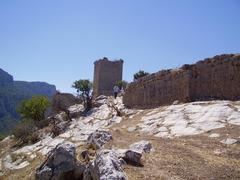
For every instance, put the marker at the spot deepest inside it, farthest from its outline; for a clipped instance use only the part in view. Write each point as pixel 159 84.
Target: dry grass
pixel 27 173
pixel 190 157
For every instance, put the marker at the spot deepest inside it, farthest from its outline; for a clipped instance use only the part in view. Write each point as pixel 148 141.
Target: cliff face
pixel 13 92
pixel 41 88
pixel 213 78
pixel 5 78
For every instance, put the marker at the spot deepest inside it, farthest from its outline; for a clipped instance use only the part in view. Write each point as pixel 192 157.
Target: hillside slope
pixel 198 140
pixel 12 93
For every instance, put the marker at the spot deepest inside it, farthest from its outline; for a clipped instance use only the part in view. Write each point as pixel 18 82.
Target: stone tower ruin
pixel 106 74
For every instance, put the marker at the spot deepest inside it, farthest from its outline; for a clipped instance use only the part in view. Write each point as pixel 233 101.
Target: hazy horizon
pixel 58 41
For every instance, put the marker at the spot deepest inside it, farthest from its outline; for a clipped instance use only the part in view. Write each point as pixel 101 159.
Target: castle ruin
pixel 213 78
pixel 106 74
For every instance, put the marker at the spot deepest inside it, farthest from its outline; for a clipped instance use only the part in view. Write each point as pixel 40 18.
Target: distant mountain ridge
pixel 13 92
pixel 5 78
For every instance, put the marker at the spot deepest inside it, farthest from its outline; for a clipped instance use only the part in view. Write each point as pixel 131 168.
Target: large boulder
pixel 129 156
pixel 134 154
pixel 58 124
pixel 62 101
pixel 105 166
pixel 133 157
pixel 79 171
pixel 98 138
pixel 60 163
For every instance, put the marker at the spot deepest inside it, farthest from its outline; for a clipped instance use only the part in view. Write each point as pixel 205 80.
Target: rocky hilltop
pixel 196 140
pixel 13 92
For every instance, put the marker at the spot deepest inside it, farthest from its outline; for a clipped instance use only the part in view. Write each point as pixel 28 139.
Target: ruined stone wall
pixel 106 74
pixel 216 78
pixel 158 89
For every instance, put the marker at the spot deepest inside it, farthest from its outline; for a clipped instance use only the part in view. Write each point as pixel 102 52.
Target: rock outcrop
pixel 12 93
pixel 106 166
pixel 5 78
pixel 60 163
pixel 218 120
pixel 62 101
pixel 134 154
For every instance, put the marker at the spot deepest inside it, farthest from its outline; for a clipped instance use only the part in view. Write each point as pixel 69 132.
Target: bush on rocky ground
pixel 25 132
pixel 41 124
pixel 84 87
pixel 34 108
pixel 33 118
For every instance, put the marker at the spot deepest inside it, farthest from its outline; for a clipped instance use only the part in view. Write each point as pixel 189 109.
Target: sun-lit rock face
pixel 163 122
pixel 99 118
pixel 190 118
pixel 60 162
pixel 141 146
pixel 98 138
pixel 105 166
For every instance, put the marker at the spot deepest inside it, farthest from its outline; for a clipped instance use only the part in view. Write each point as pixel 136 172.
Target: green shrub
pixel 140 74
pixel 33 117
pixel 34 108
pixel 84 87
pixel 122 84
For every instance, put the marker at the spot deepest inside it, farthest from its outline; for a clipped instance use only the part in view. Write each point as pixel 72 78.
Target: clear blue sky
pixel 57 41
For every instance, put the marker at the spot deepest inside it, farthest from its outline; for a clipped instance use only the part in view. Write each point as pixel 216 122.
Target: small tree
pixel 122 84
pixel 32 115
pixel 34 108
pixel 84 87
pixel 140 74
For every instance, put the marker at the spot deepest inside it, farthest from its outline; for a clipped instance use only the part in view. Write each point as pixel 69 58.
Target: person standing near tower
pixel 115 91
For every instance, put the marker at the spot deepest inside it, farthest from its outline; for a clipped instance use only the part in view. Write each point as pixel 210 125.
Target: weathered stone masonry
pixel 215 78
pixel 106 74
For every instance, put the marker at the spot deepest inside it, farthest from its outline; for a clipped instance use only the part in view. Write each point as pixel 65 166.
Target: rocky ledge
pixel 103 164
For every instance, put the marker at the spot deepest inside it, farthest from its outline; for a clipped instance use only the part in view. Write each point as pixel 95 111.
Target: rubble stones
pixel 141 146
pixel 98 138
pixel 229 141
pixel 106 166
